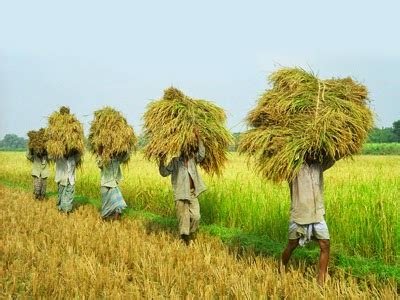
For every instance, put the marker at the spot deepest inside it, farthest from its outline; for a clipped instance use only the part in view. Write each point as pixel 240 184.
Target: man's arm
pixel 328 163
pixel 29 155
pixel 124 157
pixel 166 170
pixel 45 159
pixel 77 158
pixel 201 153
pixel 99 162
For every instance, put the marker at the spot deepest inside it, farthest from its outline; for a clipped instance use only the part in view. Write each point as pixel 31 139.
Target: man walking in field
pixel 40 173
pixel 65 179
pixel 187 185
pixel 307 214
pixel 112 201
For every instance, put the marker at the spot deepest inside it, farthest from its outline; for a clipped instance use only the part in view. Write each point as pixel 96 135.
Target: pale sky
pixel 88 54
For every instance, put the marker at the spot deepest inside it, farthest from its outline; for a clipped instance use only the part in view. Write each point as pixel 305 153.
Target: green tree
pixel 12 141
pixel 396 130
pixel 142 141
pixel 381 135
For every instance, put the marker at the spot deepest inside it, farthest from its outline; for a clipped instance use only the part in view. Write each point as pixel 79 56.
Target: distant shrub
pixel 12 142
pixel 381 149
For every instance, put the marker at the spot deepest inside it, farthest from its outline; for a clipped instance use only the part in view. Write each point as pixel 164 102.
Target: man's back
pixel 65 170
pixel 306 191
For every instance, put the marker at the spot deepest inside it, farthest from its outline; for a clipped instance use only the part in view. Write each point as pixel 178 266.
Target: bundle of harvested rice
pixel 37 142
pixel 302 118
pixel 110 135
pixel 170 126
pixel 64 134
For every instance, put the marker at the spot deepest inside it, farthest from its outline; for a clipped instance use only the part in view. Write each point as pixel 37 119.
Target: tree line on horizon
pixel 376 136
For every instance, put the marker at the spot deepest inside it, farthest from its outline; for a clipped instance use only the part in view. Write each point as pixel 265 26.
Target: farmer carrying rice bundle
pixel 37 154
pixel 300 127
pixel 186 132
pixel 66 146
pixel 112 140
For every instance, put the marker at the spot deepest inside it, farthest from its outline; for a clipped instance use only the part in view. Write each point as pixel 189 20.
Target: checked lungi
pixel 39 187
pixel 112 201
pixel 65 197
pixel 306 232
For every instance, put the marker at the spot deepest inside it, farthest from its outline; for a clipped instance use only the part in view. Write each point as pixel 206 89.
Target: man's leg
pixel 292 244
pixel 66 197
pixel 43 188
pixel 70 197
pixel 194 210
pixel 321 233
pixel 105 196
pixel 183 215
pixel 112 203
pixel 36 187
pixel 324 245
pixel 59 196
pixel 118 203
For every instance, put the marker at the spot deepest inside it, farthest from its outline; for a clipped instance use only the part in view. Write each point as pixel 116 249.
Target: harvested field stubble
pixel 47 254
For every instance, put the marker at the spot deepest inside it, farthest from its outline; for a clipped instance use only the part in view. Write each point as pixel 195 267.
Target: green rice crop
pixel 361 196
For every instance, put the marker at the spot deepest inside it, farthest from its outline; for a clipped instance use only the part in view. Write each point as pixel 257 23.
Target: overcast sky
pixel 88 54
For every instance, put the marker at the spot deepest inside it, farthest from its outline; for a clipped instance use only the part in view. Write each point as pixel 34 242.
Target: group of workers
pixel 306 190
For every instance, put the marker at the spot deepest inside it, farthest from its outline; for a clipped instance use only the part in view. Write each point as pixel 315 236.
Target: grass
pixel 253 243
pixel 381 149
pixel 361 198
pixel 13 150
pixel 45 254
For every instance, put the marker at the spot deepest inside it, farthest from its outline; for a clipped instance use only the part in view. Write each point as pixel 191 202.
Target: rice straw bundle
pixel 37 142
pixel 302 118
pixel 110 135
pixel 64 134
pixel 170 124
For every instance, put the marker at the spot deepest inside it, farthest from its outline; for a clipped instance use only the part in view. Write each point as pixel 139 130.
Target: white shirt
pixel 65 170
